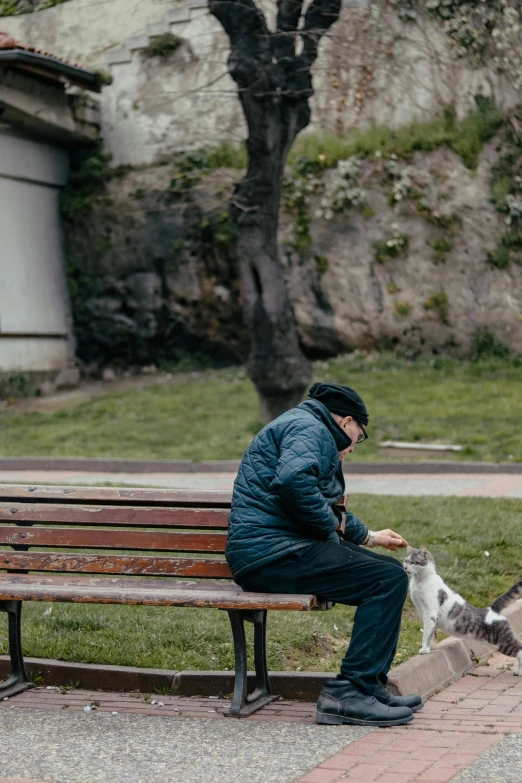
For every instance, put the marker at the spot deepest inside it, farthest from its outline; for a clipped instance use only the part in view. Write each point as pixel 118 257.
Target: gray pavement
pixel 416 484
pixel 500 764
pixel 72 747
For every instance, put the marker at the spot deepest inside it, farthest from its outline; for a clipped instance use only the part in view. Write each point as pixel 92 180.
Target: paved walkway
pixel 469 733
pixel 476 484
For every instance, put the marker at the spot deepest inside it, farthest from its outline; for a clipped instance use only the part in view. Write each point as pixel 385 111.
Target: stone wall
pixel 160 274
pixel 436 294
pixel 373 70
pixel 153 273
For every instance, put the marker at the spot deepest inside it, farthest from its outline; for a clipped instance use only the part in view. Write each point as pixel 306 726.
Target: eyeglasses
pixel 363 435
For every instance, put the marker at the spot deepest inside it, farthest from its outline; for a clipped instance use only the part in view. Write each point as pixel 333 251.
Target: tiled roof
pixel 7 42
pixel 29 58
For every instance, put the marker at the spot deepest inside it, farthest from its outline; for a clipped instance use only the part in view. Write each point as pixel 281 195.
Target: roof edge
pixel 81 77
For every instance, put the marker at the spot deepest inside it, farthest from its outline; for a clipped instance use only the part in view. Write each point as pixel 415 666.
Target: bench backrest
pixel 127 531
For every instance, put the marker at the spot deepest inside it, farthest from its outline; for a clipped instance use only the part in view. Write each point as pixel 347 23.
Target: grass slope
pixel 214 415
pixel 458 531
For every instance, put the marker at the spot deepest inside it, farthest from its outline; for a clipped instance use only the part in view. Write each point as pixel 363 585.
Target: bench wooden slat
pixel 40 513
pixel 84 538
pixel 115 496
pixel 136 591
pixel 115 564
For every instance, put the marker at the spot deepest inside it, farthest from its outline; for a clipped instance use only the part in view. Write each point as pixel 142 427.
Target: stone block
pixel 178 15
pixel 68 378
pixel 118 55
pixel 138 42
pixel 457 655
pixel 477 650
pixel 47 388
pixel 87 114
pixel 423 674
pixel 157 28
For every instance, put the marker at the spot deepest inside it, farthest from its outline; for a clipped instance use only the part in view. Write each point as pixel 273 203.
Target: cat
pixel 440 607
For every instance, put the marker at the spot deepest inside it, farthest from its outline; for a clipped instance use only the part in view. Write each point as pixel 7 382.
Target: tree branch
pixel 250 45
pixel 321 15
pixel 288 16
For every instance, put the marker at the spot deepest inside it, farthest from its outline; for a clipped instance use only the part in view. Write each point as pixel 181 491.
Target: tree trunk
pixel 276 364
pixel 275 85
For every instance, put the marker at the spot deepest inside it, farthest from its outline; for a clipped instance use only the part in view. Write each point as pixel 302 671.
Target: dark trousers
pixel 347 574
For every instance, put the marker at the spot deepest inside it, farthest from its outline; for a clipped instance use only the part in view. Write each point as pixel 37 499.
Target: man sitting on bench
pixel 286 535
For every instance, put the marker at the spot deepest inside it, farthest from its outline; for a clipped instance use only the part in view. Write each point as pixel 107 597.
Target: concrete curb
pixel 429 674
pixel 116 465
pixel 424 674
pixel 298 686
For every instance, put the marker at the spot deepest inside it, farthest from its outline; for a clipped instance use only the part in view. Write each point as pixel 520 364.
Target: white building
pixel 40 118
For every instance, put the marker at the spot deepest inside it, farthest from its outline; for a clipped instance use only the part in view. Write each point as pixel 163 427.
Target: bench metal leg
pixel 18 681
pixel 244 704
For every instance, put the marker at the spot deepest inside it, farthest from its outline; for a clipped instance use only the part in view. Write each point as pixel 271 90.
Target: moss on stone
pixel 441 247
pixel 163 45
pixel 302 236
pixel 438 302
pixel 498 258
pixel 321 263
pixel 403 308
pixel 391 248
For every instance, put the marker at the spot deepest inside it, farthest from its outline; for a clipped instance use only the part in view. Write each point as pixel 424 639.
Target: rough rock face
pixel 422 300
pixel 159 274
pixel 150 277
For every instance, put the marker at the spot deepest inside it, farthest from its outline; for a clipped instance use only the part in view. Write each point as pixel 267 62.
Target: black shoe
pixel 341 702
pixel 414 702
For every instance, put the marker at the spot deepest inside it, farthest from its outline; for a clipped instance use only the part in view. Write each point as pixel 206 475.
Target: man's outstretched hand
pixel 389 540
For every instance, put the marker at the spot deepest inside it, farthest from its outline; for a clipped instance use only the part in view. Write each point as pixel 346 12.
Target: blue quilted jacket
pixel 285 491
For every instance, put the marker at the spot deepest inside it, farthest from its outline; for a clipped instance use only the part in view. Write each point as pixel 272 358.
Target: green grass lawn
pixel 458 531
pixel 215 414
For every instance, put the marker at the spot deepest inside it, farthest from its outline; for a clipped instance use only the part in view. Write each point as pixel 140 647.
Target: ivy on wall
pixel 485 30
pixel 125 250
pixel 333 171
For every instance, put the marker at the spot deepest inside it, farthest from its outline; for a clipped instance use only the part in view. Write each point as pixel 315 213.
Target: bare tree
pixel 273 72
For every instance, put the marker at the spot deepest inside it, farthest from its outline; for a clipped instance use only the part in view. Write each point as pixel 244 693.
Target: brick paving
pixel 53 698
pixel 455 727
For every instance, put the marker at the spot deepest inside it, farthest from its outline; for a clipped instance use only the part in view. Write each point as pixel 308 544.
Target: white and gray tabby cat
pixel 440 607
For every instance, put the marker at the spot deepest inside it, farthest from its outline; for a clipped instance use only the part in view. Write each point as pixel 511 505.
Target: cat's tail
pixel 504 600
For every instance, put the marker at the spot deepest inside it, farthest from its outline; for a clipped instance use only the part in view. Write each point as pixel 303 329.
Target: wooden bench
pixel 44 532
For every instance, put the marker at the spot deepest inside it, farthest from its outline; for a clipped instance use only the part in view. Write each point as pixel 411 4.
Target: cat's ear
pixel 427 556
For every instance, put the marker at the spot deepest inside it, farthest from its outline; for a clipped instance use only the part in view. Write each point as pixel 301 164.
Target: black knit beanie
pixel 340 399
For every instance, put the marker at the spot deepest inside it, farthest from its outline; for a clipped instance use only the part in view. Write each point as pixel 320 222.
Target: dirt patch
pixel 88 390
